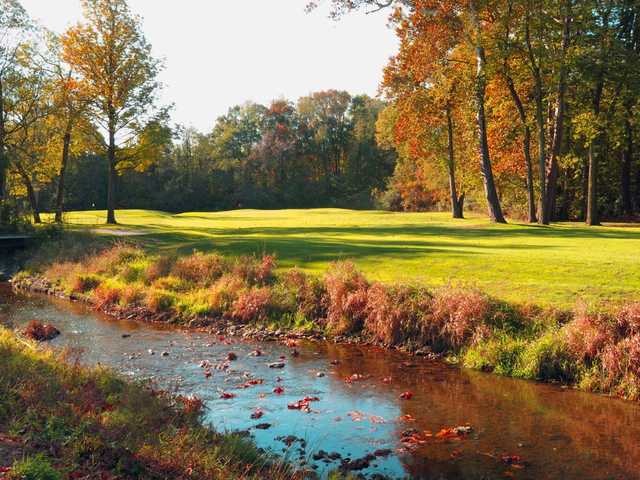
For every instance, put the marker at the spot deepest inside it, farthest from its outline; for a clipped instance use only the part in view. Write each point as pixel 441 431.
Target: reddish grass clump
pixel 158 268
pixel 40 332
pixel 252 305
pixel 588 334
pixel 309 293
pixel 455 315
pixel 200 268
pixel 84 283
pixel 347 298
pixel 393 312
pixel 255 272
pixel 106 296
pixel 109 260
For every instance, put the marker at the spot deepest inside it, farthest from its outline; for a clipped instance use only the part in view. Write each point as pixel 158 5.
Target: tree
pixel 462 21
pixel 117 73
pixel 14 28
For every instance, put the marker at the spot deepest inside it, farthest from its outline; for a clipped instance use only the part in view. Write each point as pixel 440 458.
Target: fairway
pixel 557 265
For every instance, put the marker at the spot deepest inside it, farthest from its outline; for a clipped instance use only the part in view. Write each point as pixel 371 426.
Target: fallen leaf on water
pixel 257 414
pixel 227 395
pixel 251 383
pixel 278 390
pixel 406 418
pixel 406 395
pixel 303 405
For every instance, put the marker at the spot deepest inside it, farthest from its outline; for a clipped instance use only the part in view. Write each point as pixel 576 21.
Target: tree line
pixel 525 108
pixel 531 105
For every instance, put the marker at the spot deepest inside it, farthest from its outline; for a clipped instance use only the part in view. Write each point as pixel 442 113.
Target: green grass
pixel 557 265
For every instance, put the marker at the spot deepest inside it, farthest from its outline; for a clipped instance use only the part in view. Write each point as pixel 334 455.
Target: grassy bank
pixel 58 420
pixel 551 266
pixel 598 350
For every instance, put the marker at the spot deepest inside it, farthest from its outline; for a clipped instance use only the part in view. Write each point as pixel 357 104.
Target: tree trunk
pixel 540 122
pixel 526 146
pixel 627 160
pixel 456 204
pixel 3 158
pixel 66 142
pixel 31 195
pixel 592 201
pixel 493 202
pixel 558 129
pixel 592 195
pixel 111 176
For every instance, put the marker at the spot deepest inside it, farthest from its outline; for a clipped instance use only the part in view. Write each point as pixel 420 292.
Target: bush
pixel 158 267
pixel 225 292
pixel 255 272
pixel 107 296
pixel 393 312
pixel 346 297
pixel 200 268
pixel 500 355
pixel 588 334
pixel 34 468
pixel 309 294
pixel 252 305
pixel 549 358
pixel 110 261
pixel 84 283
pixel 159 301
pixel 454 317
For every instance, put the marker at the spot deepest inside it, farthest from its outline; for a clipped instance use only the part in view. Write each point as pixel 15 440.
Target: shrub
pixel 255 272
pixel 61 271
pixel 110 260
pixel 172 283
pixel 107 295
pixel 628 318
pixel 500 355
pixel 34 468
pixel 132 296
pixel 84 283
pixel 252 305
pixel 346 297
pixel 549 358
pixel 225 292
pixel 159 267
pixel 200 268
pixel 455 315
pixel 393 312
pixel 588 334
pixel 309 294
pixel 159 301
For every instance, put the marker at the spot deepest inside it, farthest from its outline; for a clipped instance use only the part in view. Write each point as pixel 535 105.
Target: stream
pixel 519 429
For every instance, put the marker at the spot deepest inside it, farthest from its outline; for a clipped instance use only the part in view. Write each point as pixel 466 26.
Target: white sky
pixel 220 53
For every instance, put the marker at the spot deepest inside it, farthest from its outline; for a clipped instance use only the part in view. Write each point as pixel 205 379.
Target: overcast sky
pixel 220 53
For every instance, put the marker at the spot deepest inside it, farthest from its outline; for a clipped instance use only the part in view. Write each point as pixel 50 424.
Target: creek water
pixel 556 433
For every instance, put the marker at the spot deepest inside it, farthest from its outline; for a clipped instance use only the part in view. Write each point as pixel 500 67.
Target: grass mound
pixel 73 422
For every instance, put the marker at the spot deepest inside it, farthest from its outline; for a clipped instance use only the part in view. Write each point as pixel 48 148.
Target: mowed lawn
pixel 557 265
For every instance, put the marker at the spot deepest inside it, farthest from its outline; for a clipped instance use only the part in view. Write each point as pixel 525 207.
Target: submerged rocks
pixel 40 332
